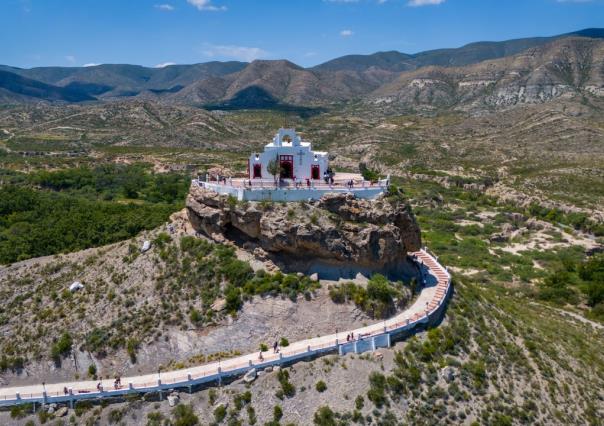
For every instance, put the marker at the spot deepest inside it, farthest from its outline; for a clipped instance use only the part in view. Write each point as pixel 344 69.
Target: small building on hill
pixel 303 175
pixel 295 157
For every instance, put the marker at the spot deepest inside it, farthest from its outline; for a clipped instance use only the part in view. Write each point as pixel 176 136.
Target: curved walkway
pixel 428 307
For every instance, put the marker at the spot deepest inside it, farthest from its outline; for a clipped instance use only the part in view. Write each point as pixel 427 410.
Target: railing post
pixel 130 386
pixel 189 377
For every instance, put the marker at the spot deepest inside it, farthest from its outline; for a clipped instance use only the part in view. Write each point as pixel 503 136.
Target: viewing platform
pixel 294 190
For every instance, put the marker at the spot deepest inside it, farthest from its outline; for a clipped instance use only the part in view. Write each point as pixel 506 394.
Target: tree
pixel 274 168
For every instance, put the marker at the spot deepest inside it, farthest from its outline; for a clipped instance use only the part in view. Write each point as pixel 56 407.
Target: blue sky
pixel 307 32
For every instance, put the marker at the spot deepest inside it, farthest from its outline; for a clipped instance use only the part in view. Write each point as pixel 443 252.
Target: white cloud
pixel 90 64
pixel 70 58
pixel 164 7
pixel 242 53
pixel 346 33
pixel 416 3
pixel 206 5
pixel 164 64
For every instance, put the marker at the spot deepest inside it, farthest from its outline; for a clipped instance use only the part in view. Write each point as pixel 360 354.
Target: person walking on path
pixel 276 347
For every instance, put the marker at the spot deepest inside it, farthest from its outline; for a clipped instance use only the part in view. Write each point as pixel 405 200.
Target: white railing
pixel 378 334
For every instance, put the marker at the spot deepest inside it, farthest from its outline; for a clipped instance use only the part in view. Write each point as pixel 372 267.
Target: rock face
pixel 338 229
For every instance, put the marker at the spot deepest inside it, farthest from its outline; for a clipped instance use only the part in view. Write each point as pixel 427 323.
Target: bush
pixel 324 416
pixel 277 413
pixel 61 347
pixel 283 342
pixel 377 389
pixel 287 388
pixel 92 370
pixel 321 386
pixel 131 348
pixel 220 413
pixel 184 415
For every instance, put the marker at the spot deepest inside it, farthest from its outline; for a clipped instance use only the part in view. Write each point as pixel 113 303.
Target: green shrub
pixel 184 416
pixel 220 413
pixel 277 413
pixel 377 389
pixel 131 347
pixel 324 416
pixel 62 347
pixel 283 342
pixel 321 386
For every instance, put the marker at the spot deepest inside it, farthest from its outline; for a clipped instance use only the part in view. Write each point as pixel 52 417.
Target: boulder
pixel 61 412
pixel 498 238
pixel 76 286
pixel 448 374
pixel 146 246
pixel 314 277
pixel 218 305
pixel 173 399
pixel 250 376
pixel 372 234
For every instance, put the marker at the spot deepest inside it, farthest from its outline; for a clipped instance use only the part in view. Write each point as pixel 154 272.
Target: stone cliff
pixel 338 230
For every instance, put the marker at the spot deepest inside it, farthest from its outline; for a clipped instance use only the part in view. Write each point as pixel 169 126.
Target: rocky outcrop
pixel 338 229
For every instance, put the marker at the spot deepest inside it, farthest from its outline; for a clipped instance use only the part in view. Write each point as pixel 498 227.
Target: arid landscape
pixel 495 153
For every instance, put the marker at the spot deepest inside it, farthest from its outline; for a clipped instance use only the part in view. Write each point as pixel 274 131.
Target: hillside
pixel 505 354
pixel 562 69
pixel 452 76
pixel 14 88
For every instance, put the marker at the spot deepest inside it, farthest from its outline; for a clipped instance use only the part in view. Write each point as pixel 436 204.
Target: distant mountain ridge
pixel 454 57
pixel 263 83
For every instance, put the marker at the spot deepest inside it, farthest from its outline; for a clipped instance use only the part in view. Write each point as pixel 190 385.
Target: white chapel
pixel 297 159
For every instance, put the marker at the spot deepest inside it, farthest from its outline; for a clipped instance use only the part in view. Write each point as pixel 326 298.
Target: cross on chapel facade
pixel 285 145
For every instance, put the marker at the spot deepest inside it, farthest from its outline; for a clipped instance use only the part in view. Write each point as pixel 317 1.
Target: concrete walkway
pixel 432 297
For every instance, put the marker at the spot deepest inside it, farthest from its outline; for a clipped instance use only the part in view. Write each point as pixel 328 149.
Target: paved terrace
pixel 427 308
pixel 290 190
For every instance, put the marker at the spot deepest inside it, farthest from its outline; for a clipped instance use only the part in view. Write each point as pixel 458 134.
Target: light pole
pixel 159 374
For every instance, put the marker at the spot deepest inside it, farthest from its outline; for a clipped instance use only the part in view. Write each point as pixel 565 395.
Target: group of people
pixel 350 337
pixel 328 176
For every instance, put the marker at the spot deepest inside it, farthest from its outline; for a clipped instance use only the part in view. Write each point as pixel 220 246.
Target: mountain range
pixel 478 75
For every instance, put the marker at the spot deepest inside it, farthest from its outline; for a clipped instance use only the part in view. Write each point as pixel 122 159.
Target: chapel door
pixel 287 166
pixel 315 172
pixel 257 171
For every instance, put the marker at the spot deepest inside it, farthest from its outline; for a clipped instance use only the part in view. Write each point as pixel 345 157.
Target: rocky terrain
pixel 497 148
pixel 128 319
pixel 338 231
